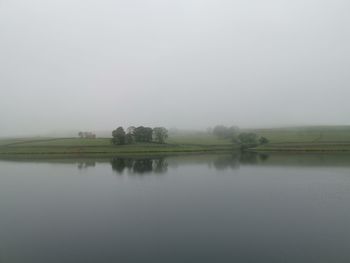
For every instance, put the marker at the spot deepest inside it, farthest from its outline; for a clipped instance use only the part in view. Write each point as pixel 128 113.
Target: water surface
pixel 206 208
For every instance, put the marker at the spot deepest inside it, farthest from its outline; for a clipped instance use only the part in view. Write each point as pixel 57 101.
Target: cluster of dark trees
pixel 242 138
pixel 87 135
pixel 139 134
pixel 250 139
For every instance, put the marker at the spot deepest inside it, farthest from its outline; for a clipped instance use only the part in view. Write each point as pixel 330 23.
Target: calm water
pixel 216 208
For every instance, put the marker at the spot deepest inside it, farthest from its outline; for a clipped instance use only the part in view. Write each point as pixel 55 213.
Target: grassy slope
pixel 197 139
pixel 321 138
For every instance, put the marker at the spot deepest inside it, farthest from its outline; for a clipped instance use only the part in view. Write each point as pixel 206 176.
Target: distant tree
pixel 90 135
pixel 220 131
pixel 87 135
pixel 233 132
pixel 130 129
pixel 263 140
pixel 235 138
pixel 160 134
pixel 248 138
pixel 148 132
pixel 143 134
pixel 118 136
pixel 224 132
pixel 129 138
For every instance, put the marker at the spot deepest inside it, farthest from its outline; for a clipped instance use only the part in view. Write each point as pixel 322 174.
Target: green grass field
pixel 199 138
pixel 307 134
pixel 103 146
pixel 322 138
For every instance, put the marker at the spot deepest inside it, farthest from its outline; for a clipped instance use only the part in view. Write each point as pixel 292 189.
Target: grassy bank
pixel 102 146
pixel 306 147
pixel 308 139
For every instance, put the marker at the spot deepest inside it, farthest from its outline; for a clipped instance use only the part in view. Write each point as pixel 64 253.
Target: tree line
pixel 87 135
pixel 139 134
pixel 245 139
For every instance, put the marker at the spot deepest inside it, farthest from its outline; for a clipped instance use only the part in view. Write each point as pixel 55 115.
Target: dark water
pixel 208 208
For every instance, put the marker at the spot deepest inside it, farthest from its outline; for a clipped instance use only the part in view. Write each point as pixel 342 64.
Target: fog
pixel 190 64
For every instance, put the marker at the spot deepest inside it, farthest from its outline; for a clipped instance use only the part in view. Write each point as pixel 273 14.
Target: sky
pixel 191 64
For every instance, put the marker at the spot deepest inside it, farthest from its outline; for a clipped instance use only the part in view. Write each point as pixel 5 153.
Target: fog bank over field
pixel 94 65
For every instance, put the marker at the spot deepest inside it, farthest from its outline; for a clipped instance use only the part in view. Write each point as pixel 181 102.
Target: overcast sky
pixel 95 65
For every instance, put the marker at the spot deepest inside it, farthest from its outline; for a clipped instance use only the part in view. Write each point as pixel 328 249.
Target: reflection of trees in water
pixel 248 158
pixel 143 166
pixel 160 165
pixel 264 157
pixel 253 157
pixel 233 161
pixel 118 165
pixel 86 164
pixel 226 162
pixel 139 166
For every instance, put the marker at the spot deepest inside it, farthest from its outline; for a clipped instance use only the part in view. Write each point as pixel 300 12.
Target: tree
pixel 248 138
pixel 160 134
pixel 130 129
pixel 118 136
pixel 87 135
pixel 224 132
pixel 129 138
pixel 143 134
pixel 220 131
pixel 263 140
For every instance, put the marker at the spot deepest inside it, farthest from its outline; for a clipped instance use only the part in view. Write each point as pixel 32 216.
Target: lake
pixel 195 208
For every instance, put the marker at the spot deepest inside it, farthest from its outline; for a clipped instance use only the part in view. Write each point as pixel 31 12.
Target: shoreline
pixel 50 148
pixel 36 153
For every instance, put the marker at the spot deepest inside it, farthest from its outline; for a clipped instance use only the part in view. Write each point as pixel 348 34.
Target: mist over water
pixel 95 65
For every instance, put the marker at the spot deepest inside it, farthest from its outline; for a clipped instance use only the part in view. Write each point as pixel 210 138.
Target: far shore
pixel 321 139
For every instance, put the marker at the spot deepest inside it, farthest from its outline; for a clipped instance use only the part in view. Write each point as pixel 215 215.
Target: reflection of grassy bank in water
pixel 287 159
pixel 159 164
pixel 305 147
